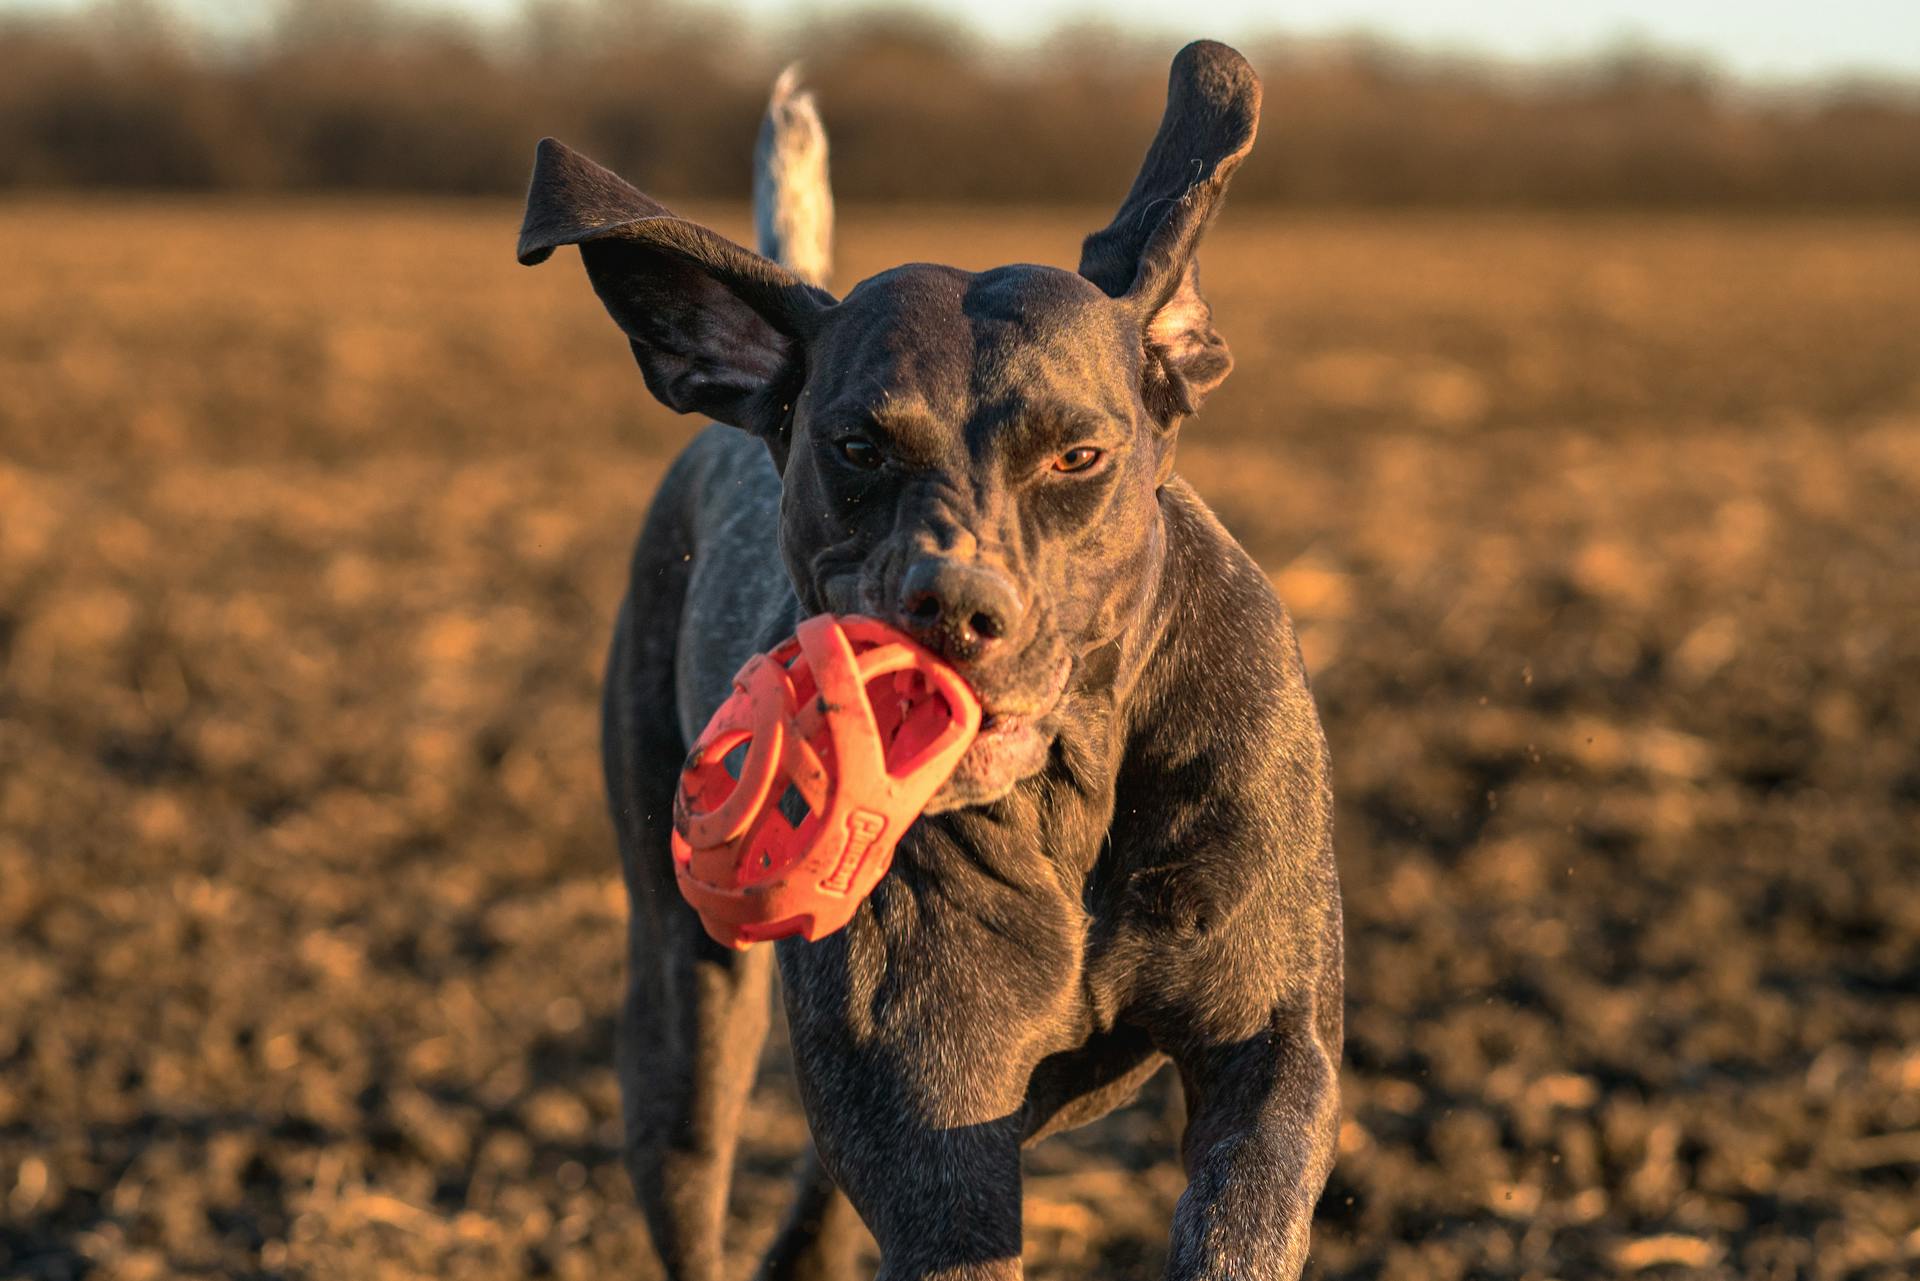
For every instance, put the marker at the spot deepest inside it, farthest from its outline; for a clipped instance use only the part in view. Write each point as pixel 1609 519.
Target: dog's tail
pixel 792 200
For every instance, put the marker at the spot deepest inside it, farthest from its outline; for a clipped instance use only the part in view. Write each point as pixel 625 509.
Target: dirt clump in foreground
pixel 1601 536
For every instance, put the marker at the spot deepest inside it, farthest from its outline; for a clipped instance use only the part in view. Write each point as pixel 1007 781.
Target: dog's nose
pixel 961 611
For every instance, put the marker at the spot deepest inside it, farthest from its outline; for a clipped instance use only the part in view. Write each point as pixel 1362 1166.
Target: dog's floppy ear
pixel 1147 255
pixel 718 330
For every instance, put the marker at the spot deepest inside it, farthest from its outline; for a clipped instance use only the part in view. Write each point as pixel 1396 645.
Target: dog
pixel 1133 863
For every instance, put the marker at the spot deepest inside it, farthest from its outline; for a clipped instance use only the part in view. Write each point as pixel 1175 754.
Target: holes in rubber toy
pixel 794 807
pixel 911 716
pixel 709 783
pixel 771 850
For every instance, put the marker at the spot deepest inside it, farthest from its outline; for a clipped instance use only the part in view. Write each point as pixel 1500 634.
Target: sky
pixel 1761 39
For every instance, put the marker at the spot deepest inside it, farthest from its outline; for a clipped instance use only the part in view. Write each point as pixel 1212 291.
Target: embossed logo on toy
pixel 863 829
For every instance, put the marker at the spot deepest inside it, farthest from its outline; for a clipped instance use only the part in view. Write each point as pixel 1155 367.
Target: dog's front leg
pixel 913 1063
pixel 931 1164
pixel 942 1202
pixel 1262 1124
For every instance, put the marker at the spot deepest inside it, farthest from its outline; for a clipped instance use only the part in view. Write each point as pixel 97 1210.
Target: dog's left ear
pixel 1147 256
pixel 718 330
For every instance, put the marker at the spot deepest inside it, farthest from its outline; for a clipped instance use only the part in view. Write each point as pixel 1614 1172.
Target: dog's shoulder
pixel 739 600
pixel 1226 710
pixel 733 489
pixel 1226 762
pixel 721 484
pixel 1224 861
pixel 1223 618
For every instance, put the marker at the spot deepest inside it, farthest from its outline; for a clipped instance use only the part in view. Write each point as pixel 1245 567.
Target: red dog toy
pixel 849 721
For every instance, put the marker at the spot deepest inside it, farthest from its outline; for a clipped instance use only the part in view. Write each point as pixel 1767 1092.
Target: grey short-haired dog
pixel 1134 862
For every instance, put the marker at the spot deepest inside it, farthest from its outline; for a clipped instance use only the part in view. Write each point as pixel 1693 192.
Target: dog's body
pixel 1133 864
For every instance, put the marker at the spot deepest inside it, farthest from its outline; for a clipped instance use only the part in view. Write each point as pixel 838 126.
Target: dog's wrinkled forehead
pixel 942 346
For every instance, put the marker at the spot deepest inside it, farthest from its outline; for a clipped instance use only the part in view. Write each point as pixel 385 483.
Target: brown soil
pixel 1603 539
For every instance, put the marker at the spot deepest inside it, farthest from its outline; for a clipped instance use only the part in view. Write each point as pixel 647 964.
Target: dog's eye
pixel 1079 458
pixel 863 454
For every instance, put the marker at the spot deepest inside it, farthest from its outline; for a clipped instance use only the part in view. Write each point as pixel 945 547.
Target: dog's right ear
pixel 718 330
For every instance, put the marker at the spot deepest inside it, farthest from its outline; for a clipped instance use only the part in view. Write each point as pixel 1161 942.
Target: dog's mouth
pixel 1016 730
pixel 1013 742
pixel 992 723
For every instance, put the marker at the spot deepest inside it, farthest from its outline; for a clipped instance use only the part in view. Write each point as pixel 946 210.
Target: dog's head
pixel 973 457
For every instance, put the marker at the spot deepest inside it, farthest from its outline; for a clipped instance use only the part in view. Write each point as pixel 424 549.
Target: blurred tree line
pixel 367 95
